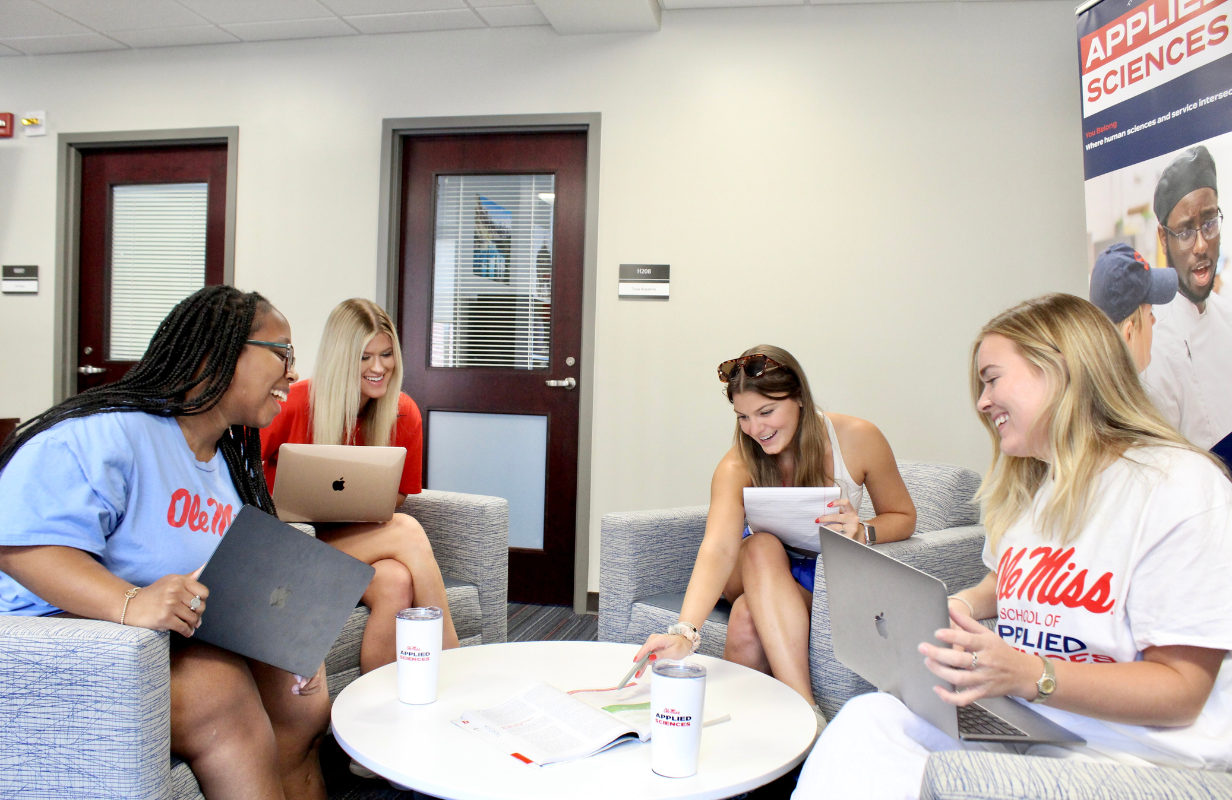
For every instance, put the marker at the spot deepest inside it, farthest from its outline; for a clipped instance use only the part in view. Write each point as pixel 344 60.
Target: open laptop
pixel 880 611
pixel 278 595
pixel 337 483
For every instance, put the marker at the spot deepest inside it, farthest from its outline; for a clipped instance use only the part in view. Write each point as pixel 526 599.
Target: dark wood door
pixel 111 181
pixel 491 314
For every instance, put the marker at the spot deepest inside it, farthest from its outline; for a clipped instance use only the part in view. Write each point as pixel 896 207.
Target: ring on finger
pixel 975 657
pixel 195 603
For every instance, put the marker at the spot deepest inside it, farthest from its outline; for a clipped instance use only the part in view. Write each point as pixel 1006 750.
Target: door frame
pixel 394 132
pixel 70 147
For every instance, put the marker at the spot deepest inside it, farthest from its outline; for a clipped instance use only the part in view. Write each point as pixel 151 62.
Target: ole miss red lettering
pixel 185 509
pixel 1052 580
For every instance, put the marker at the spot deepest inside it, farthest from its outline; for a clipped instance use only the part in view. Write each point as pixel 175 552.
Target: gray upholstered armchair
pixel 646 559
pixel 85 705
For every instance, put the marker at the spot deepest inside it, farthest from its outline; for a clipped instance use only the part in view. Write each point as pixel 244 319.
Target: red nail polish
pixel 653 656
pixel 830 505
pixel 817 520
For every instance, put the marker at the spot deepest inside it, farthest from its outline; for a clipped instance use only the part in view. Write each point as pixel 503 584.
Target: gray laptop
pixel 278 595
pixel 880 611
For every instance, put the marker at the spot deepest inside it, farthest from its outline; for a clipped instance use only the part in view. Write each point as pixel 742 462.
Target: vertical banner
pixel 1157 138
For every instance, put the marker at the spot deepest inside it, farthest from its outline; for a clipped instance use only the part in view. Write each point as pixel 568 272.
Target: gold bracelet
pixel 129 595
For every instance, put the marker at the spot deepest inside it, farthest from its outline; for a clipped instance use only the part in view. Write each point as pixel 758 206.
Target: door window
pixel 157 259
pixel 492 271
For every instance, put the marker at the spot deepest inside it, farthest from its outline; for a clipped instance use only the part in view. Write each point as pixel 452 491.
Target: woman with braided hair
pixel 112 498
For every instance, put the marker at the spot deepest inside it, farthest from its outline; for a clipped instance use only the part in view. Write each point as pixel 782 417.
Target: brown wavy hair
pixel 808 446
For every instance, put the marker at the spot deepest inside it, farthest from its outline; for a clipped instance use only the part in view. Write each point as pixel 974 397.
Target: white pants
pixel 876 748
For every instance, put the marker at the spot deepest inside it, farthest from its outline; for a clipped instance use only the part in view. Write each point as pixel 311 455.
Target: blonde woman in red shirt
pixel 355 398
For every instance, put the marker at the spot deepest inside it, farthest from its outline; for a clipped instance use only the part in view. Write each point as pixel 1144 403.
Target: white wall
pixel 864 185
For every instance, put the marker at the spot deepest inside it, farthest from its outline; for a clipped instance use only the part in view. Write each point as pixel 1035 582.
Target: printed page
pixel 789 513
pixel 543 725
pixel 630 705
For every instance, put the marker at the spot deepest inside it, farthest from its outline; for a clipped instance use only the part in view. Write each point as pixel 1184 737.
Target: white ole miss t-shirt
pixel 1152 567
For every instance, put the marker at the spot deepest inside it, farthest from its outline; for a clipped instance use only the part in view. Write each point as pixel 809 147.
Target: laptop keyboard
pixel 976 721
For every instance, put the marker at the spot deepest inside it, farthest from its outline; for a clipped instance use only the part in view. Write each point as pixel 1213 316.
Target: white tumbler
pixel 420 632
pixel 677 698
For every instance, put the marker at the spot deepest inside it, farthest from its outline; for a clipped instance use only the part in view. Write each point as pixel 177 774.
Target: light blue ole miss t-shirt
pixel 124 487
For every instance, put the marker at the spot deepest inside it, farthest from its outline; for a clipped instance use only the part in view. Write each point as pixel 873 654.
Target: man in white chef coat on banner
pixel 1190 374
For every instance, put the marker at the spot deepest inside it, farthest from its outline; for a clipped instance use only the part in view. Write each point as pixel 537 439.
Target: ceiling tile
pixel 570 17
pixel 28 18
pixel 675 4
pixel 490 3
pixel 174 37
pixel 119 15
pixel 290 29
pixel 8 51
pixel 512 16
pixel 236 11
pixel 347 8
pixel 421 21
pixel 48 45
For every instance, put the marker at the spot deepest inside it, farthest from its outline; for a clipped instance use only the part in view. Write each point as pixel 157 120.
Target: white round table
pixel 770 732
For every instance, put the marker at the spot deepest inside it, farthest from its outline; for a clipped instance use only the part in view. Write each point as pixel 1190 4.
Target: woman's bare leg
pixel 402 539
pixel 219 726
pixel 778 611
pixel 389 593
pixel 742 645
pixel 299 722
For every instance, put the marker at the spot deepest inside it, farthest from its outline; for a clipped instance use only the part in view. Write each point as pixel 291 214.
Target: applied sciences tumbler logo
pixel 413 653
pixel 673 718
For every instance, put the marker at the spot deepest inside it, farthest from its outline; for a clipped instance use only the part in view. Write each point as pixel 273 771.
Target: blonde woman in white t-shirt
pixel 1109 544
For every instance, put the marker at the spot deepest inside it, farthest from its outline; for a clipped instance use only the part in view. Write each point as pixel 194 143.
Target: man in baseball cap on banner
pixel 1190 374
pixel 1125 287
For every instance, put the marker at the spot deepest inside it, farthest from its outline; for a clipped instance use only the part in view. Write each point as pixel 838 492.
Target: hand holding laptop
pixel 985 666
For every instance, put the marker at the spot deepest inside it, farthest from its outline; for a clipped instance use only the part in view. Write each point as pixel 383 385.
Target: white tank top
pixel 850 490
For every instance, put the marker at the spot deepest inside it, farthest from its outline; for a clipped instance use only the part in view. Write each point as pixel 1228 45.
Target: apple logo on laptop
pixel 338 485
pixel 278 597
pixel 881 625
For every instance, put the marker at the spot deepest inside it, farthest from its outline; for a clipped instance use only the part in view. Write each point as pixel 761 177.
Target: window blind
pixel 492 277
pixel 157 259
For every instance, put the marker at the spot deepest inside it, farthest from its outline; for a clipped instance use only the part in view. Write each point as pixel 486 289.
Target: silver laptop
pixel 337 483
pixel 278 595
pixel 880 611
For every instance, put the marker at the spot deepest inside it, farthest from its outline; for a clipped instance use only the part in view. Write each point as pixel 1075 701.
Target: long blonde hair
pixel 808 446
pixel 1096 410
pixel 335 394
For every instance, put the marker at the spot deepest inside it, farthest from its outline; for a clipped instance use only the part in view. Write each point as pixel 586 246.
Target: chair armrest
pixel 643 553
pixel 963 775
pixel 470 540
pixel 85 709
pixel 953 555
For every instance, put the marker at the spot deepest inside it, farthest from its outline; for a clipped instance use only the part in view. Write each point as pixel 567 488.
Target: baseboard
pixel 592 602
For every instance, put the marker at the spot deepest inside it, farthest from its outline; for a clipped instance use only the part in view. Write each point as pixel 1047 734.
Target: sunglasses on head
pixel 754 366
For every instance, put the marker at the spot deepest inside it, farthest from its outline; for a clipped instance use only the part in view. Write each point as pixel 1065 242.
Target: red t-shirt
pixel 294 425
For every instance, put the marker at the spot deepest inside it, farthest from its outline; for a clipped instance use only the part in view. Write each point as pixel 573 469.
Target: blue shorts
pixel 803 568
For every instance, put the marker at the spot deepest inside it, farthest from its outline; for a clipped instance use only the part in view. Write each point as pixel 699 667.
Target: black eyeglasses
pixel 1188 237
pixel 284 351
pixel 755 366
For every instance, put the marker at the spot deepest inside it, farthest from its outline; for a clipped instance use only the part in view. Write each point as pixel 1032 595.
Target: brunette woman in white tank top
pixel 782 439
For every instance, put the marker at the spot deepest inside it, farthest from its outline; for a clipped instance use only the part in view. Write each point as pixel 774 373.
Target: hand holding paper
pixel 790 513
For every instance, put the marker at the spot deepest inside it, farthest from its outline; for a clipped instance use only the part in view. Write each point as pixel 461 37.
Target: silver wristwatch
pixel 870 533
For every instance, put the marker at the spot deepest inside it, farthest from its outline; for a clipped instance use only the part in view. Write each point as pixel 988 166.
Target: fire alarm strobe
pixel 6 126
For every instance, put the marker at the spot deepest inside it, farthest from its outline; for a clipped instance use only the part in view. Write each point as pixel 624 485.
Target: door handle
pixel 568 383
pixel 89 370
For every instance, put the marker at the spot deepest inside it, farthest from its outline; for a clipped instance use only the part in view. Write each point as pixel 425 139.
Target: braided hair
pixel 197 345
